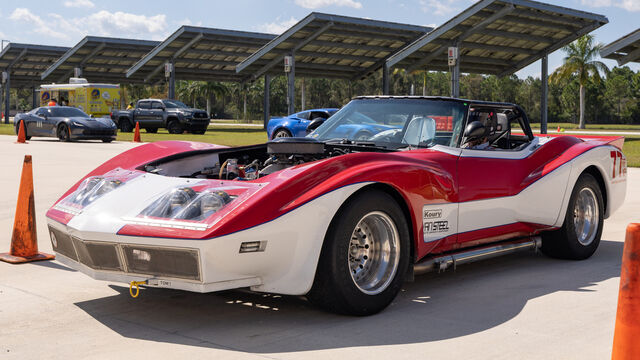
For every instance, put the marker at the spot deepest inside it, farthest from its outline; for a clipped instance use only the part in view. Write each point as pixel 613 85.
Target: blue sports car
pixel 295 125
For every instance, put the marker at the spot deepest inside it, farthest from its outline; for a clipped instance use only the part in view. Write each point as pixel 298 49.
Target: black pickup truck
pixel 153 114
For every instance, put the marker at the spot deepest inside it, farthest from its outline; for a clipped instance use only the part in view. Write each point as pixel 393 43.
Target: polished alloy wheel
pixel 282 134
pixel 374 252
pixel 585 216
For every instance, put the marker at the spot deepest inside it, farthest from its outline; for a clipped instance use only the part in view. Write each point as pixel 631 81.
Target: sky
pixel 66 22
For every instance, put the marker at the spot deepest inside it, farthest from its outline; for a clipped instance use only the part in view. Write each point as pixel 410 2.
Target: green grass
pixel 238 135
pixel 570 126
pixel 221 135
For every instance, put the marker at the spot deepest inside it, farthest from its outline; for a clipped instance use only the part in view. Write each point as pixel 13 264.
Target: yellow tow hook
pixel 137 286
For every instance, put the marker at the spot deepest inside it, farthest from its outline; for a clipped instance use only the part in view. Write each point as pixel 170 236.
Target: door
pixel 157 114
pixel 142 114
pixel 34 124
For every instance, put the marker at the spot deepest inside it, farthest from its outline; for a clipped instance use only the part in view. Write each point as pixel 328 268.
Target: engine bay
pixel 255 161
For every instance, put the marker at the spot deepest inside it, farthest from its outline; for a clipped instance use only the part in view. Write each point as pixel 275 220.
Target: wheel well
pixel 391 191
pixel 172 118
pixel 595 172
pixel 123 118
pixel 281 128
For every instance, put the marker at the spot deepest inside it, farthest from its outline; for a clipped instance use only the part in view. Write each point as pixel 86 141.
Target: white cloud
pixel 79 4
pixel 101 23
pixel 315 4
pixel 629 5
pixel 438 7
pixel 278 27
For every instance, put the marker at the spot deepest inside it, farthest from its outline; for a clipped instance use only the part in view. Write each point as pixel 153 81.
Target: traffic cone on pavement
pixel 24 241
pixel 136 135
pixel 625 338
pixel 22 137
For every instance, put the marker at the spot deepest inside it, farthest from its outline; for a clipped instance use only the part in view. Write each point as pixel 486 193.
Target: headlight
pixel 184 203
pixel 78 124
pixel 93 188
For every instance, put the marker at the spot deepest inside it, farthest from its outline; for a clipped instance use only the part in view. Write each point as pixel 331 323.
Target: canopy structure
pixel 624 50
pixel 99 59
pixel 497 37
pixel 198 53
pixel 324 45
pixel 23 64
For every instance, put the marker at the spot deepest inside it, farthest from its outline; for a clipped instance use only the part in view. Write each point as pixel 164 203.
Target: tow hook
pixel 136 284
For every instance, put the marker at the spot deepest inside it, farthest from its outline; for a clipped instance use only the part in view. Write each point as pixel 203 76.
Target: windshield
pixel 66 112
pixel 396 123
pixel 174 104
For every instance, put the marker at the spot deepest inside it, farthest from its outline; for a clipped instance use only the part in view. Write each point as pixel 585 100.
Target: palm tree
pixel 580 63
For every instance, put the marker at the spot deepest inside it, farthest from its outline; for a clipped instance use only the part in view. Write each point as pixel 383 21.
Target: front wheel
pixel 199 132
pixel 107 140
pixel 63 133
pixel 151 130
pixel 282 133
pixel 580 234
pixel 174 127
pixel 364 258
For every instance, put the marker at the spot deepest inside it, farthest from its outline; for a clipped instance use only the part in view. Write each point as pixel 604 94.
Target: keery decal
pixel 439 221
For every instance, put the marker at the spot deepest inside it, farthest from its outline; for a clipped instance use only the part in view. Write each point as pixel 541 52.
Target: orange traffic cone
pixel 22 137
pixel 136 135
pixel 625 338
pixel 24 242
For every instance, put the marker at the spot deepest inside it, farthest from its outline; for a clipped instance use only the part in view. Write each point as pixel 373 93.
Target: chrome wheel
pixel 585 216
pixel 281 134
pixel 374 252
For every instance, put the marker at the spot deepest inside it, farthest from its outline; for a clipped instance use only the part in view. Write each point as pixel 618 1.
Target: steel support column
pixel 302 96
pixel 455 79
pixel 7 96
pixel 385 79
pixel 267 88
pixel 291 86
pixel 34 97
pixel 545 94
pixel 1 100
pixel 172 81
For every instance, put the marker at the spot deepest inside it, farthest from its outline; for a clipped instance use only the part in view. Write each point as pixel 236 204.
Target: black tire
pixel 125 125
pixel 151 130
pixel 565 243
pixel 63 133
pixel 174 127
pixel 199 132
pixel 281 133
pixel 334 287
pixel 107 140
pixel 26 136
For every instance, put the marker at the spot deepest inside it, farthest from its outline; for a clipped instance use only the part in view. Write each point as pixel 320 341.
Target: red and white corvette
pixel 344 219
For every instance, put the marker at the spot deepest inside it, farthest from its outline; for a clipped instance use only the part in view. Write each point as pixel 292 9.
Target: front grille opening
pixel 61 243
pixel 175 263
pixel 98 256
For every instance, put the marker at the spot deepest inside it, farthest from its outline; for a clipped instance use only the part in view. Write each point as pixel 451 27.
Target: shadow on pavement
pixel 54 265
pixel 472 299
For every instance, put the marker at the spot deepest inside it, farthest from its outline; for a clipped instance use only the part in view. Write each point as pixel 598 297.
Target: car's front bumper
pixel 83 133
pixel 196 124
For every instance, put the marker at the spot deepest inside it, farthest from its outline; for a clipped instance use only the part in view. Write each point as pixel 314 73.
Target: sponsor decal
pixel 439 221
pixel 45 97
pixel 95 94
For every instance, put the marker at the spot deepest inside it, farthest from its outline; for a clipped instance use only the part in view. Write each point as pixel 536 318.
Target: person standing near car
pixel 130 106
pixel 53 102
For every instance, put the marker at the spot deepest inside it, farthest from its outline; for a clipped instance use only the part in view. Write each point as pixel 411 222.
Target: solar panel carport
pixel 624 50
pixel 325 45
pixel 99 60
pixel 198 53
pixel 23 64
pixel 498 37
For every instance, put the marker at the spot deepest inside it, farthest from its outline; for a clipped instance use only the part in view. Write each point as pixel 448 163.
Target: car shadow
pixel 474 298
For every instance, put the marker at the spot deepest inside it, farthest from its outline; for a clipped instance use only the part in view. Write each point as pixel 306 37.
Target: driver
pixel 474 129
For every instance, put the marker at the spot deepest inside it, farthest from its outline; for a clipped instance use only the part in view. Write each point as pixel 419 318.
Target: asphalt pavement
pixel 522 306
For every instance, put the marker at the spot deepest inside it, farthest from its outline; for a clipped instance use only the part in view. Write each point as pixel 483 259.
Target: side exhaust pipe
pixel 443 262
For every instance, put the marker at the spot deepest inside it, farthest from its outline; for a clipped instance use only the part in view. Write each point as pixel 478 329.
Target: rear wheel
pixel 174 127
pixel 580 234
pixel 199 132
pixel 63 133
pixel 282 133
pixel 364 257
pixel 125 125
pixel 151 130
pixel 107 140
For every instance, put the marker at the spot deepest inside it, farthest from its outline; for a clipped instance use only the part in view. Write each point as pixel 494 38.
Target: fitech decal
pixel 439 221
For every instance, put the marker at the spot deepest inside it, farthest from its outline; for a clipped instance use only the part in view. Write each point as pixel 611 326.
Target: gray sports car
pixel 66 123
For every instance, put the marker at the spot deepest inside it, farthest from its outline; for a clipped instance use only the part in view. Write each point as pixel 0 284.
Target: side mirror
pixel 474 131
pixel 315 123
